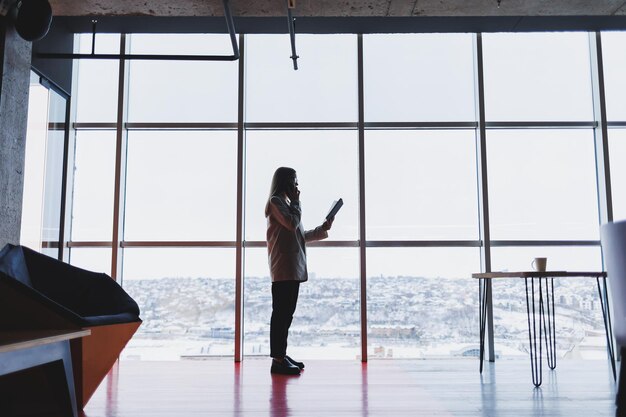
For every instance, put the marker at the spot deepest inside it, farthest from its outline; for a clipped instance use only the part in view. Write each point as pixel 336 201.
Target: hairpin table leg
pixel 482 317
pixel 535 359
pixel 549 326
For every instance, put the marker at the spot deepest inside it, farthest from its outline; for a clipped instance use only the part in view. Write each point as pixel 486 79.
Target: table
pixel 543 312
pixel 20 350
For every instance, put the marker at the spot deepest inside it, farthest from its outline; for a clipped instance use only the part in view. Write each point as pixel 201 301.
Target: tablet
pixel 334 208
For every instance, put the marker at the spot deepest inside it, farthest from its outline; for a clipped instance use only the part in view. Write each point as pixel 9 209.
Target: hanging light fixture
pixel 31 18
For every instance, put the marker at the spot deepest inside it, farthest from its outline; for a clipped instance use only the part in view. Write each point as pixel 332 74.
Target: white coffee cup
pixel 539 264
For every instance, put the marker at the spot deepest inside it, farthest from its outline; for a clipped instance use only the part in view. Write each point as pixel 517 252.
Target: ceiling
pixel 341 8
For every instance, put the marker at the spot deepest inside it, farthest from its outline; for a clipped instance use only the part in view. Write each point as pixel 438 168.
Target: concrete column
pixel 15 56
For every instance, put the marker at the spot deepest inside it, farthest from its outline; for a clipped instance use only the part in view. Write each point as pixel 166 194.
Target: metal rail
pixel 159 57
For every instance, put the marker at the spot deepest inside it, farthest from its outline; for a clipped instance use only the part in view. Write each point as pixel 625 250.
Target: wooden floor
pixel 386 388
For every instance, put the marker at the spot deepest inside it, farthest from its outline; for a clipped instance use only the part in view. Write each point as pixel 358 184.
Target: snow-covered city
pixel 408 317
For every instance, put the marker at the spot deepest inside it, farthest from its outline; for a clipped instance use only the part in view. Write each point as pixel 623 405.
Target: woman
pixel 286 249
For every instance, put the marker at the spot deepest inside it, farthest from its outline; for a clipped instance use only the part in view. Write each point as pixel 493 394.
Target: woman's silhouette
pixel 286 246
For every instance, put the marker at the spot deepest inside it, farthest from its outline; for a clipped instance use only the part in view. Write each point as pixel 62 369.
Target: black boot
pixel 295 362
pixel 284 367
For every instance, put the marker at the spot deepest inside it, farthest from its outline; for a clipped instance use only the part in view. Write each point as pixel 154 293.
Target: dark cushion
pixel 94 297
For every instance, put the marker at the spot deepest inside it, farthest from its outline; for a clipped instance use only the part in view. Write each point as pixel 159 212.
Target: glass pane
pixel 542 185
pixel 537 76
pixel 181 185
pixel 97 84
pixel 614 61
pixel 617 152
pixel 54 167
pixel 257 303
pixel 187 302
pixel 182 91
pixel 323 89
pixel 57 110
pixel 578 315
pixel 421 185
pixel 34 167
pixel 51 252
pixel 92 259
pixel 571 258
pixel 326 165
pixel 43 177
pixel 94 177
pixel 327 319
pixel 422 302
pixel 425 77
pixel 53 184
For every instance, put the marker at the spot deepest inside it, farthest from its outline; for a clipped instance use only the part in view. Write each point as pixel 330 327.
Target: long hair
pixel 280 183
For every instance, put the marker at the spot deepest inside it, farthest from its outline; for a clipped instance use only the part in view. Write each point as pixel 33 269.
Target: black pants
pixel 284 300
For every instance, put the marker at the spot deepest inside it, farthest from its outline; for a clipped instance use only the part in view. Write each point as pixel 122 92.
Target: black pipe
pixel 230 24
pixel 231 31
pixel 93 36
pixel 292 35
pixel 142 57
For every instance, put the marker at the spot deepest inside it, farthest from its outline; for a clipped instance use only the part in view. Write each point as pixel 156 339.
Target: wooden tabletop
pixel 535 274
pixel 15 340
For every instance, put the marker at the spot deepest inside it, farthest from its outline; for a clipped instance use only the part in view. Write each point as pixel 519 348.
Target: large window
pixel 614 62
pixel 200 141
pixel 421 194
pixel 181 186
pixel 43 172
pixel 91 258
pixel 182 91
pixel 326 165
pixel 419 78
pixel 421 303
pixel 617 147
pixel 94 178
pixel 187 300
pixel 542 185
pixel 421 185
pixel 578 314
pixel 98 80
pixel 327 319
pixel 290 106
pixel 542 182
pixel 537 77
pixel 324 89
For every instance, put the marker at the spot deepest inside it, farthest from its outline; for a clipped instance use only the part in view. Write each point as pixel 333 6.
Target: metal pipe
pixel 230 24
pixel 292 36
pixel 146 57
pixel 93 36
pixel 141 57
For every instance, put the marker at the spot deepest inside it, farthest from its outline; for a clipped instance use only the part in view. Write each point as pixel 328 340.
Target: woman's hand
pixel 328 224
pixel 294 194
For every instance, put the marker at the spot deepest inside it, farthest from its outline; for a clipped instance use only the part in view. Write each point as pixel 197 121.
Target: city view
pixel 408 317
